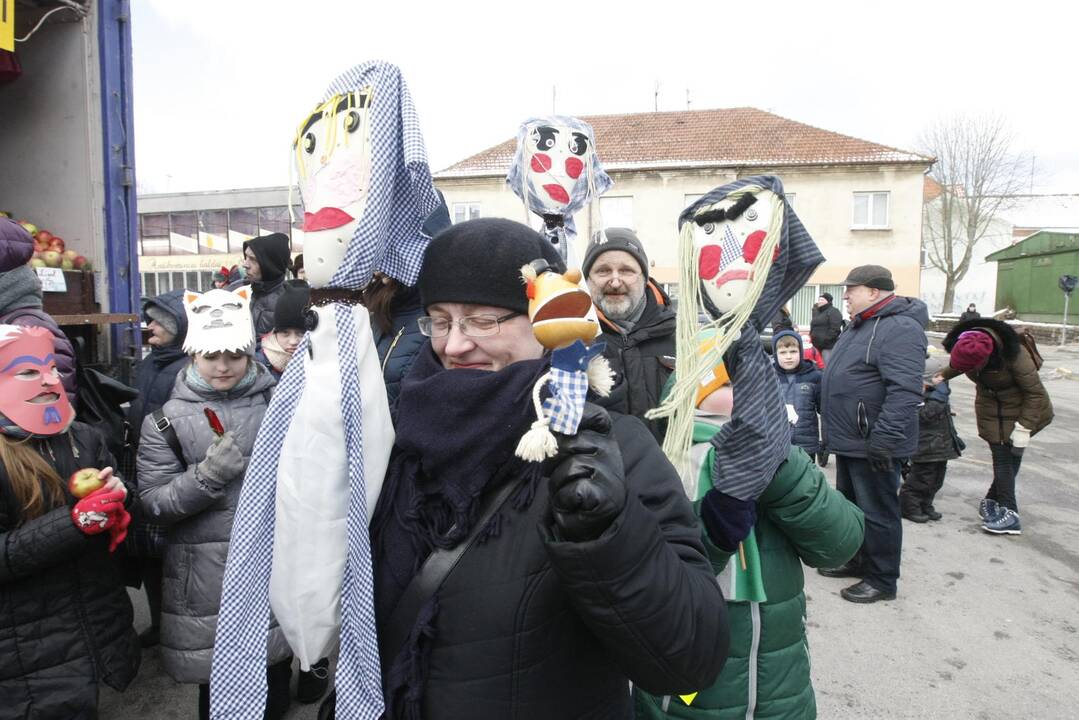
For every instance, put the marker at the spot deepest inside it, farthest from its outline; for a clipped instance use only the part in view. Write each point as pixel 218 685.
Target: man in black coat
pixel 870 394
pixel 825 325
pixel 637 321
pixel 266 262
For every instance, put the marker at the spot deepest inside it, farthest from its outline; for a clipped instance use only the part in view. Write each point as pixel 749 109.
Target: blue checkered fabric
pixel 537 201
pixel 565 406
pixel 731 248
pixel 387 238
pixel 756 441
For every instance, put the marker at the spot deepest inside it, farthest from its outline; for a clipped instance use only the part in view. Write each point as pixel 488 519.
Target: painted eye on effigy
pixel 309 143
pixel 578 144
pixel 352 121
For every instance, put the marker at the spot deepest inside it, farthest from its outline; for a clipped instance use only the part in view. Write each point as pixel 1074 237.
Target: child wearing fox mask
pixel 65 617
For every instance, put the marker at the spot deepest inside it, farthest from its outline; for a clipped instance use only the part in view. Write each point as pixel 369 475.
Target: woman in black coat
pixel 578 576
pixel 65 617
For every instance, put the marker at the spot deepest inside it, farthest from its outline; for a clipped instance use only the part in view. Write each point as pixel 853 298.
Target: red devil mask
pixel 31 395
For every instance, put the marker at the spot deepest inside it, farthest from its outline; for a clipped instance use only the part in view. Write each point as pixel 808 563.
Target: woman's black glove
pixel 587 481
pixel 727 520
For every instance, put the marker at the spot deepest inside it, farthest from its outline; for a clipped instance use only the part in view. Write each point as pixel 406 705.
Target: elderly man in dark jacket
pixel 266 262
pixel 870 394
pixel 825 325
pixel 637 322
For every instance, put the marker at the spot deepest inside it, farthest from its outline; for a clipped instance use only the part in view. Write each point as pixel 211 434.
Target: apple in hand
pixel 85 481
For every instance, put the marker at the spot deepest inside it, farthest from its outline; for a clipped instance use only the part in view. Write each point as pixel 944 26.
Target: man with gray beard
pixel 637 321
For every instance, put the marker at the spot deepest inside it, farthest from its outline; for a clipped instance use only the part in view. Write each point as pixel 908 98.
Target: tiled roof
pixel 733 137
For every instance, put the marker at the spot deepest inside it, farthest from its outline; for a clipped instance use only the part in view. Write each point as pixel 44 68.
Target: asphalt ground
pixel 983 626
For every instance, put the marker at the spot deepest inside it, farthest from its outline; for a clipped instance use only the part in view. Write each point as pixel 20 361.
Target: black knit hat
pixel 615 238
pixel 827 296
pixel 272 252
pixel 479 262
pixel 289 310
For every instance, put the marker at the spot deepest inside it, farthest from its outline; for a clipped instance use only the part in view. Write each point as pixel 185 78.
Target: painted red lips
pixel 557 192
pixel 327 218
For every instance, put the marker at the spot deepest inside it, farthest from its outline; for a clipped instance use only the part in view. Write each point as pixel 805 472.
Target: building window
pixel 616 211
pixel 243 225
pixel 465 211
pixel 275 220
pixel 870 210
pixel 183 235
pixel 154 234
pixel 213 231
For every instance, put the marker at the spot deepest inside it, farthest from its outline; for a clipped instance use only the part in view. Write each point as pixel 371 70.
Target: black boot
pixel 911 508
pixel 312 684
pixel 931 512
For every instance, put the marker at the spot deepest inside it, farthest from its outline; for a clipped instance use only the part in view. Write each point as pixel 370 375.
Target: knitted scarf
pixel 456 435
pixel 198 383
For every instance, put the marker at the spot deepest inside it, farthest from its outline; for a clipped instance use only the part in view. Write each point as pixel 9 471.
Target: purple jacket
pixel 65 353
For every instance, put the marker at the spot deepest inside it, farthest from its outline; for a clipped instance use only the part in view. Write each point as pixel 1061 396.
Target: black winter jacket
pixel 530 627
pixel 156 373
pixel 872 385
pixel 397 348
pixel 825 325
pixel 65 617
pixel 937 438
pixel 642 360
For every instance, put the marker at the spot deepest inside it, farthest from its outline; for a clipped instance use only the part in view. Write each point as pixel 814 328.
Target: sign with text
pixel 52 279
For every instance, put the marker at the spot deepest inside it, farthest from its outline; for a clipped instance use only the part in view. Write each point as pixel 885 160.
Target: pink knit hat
pixel 971 350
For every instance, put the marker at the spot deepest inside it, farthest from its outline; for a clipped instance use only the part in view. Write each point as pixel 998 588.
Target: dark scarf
pixel 456 435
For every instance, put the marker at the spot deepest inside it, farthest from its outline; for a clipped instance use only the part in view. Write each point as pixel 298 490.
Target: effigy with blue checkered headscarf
pixel 592 183
pixel 756 441
pixel 387 238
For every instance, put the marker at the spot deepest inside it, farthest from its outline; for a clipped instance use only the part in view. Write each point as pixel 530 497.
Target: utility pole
pixel 687 98
pixel 655 98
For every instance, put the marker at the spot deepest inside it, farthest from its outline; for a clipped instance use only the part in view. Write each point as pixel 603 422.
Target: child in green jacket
pixel 800 518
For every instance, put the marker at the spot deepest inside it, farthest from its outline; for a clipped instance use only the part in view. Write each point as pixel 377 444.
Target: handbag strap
pixel 436 568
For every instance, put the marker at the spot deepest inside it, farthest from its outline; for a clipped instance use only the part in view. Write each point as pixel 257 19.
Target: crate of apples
pixel 51 251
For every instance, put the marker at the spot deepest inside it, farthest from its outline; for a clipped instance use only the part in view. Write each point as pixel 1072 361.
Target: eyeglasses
pixel 472 326
pixel 604 273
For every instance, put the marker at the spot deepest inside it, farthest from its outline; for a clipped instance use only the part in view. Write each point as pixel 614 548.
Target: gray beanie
pixel 615 238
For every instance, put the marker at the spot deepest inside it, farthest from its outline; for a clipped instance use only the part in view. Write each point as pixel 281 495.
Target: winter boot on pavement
pixel 931 512
pixel 1005 522
pixel 910 505
pixel 987 509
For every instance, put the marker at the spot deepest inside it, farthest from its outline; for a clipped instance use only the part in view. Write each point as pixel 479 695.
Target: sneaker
pixel 987 509
pixel 1005 522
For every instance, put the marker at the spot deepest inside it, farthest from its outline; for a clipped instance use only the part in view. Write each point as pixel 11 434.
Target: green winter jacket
pixel 800 518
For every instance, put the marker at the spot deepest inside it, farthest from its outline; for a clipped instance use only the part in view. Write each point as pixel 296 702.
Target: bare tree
pixel 979 177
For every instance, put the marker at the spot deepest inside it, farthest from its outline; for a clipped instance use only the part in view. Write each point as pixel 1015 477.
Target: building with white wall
pixel 861 201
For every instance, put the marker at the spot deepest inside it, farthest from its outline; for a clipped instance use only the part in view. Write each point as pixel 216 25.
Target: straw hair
pixel 694 367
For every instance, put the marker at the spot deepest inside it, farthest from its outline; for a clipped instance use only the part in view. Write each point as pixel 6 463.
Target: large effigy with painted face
pixel 556 172
pixel 300 545
pixel 743 254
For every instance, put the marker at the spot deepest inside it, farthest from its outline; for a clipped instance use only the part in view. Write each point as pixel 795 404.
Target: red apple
pixel 51 258
pixel 56 244
pixel 85 481
pixel 81 263
pixel 44 236
pixel 40 246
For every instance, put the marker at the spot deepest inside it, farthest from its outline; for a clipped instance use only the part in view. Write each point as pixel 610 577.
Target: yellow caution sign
pixel 7 25
pixel 688 699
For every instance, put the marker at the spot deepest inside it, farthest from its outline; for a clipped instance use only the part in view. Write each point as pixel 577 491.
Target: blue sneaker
pixel 1005 522
pixel 987 509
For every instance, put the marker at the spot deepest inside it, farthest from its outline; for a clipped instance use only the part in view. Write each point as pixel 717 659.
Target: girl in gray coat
pixel 191 468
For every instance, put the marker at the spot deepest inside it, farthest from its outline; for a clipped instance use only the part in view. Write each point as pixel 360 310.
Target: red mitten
pixel 118 531
pixel 98 511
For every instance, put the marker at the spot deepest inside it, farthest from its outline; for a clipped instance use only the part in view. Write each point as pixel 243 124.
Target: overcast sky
pixel 221 84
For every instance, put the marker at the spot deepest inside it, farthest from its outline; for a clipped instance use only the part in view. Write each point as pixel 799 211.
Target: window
pixel 213 231
pixel 870 210
pixel 243 225
pixel 149 285
pixel 154 233
pixel 465 211
pixel 183 235
pixel 616 211
pixel 275 220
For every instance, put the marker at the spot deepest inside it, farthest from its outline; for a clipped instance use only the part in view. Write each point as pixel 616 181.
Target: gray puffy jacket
pixel 198 518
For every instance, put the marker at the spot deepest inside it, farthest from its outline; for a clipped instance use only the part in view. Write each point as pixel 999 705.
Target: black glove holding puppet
pixel 587 481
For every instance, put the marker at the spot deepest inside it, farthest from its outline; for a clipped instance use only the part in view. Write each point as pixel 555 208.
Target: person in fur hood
pixel 1011 406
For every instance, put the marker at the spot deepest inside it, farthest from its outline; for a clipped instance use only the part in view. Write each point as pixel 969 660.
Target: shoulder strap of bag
pixel 439 564
pixel 164 426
